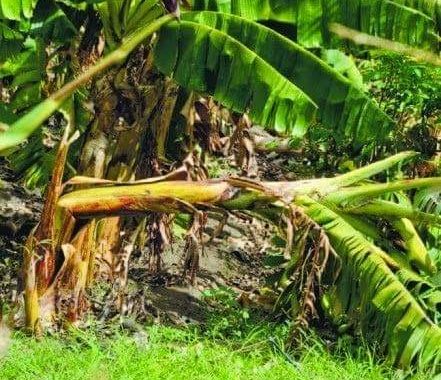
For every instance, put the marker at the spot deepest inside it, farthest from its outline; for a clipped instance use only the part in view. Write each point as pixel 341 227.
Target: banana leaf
pixel 342 106
pixel 209 61
pixel 414 22
pixel 16 9
pixel 370 287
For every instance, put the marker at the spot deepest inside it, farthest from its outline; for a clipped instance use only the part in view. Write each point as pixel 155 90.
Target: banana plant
pixel 370 283
pixel 291 104
pixel 282 95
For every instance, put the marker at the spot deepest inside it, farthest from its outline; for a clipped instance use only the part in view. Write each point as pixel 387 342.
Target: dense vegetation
pixel 123 111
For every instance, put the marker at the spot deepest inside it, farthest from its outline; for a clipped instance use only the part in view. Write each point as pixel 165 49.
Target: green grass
pixel 170 353
pixel 234 343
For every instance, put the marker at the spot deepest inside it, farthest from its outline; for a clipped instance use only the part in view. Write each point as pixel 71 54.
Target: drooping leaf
pixel 27 96
pixel 11 42
pixel 429 200
pixel 11 9
pixel 122 18
pixel 144 12
pixel 343 64
pixel 392 20
pixel 210 61
pixel 51 23
pixel 393 211
pixel 415 248
pixel 29 122
pixel 342 107
pixel 27 70
pixel 28 7
pixel 259 10
pixel 431 8
pixel 371 288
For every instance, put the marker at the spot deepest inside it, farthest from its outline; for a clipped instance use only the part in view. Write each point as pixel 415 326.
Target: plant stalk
pixel 374 190
pixel 26 125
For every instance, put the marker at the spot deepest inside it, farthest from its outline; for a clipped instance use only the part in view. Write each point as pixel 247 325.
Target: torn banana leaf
pixel 370 288
pixel 413 22
pixel 210 61
pixel 342 106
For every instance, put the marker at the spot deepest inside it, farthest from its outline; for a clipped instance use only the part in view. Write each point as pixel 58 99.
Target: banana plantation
pixel 218 166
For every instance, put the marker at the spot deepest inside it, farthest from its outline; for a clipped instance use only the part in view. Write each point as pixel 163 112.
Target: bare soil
pixel 234 260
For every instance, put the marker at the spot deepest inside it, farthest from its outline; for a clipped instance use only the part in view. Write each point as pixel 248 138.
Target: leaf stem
pixel 370 170
pixel 373 190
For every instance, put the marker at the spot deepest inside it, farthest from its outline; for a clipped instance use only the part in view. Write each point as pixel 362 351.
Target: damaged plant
pixel 352 254
pixel 338 256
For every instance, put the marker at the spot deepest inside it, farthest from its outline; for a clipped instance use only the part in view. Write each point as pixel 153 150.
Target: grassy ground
pixel 170 353
pixel 234 343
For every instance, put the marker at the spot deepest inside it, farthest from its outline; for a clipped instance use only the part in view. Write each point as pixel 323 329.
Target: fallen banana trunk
pixel 329 232
pixel 232 194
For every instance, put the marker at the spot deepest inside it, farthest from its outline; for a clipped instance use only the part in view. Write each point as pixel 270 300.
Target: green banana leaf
pixel 429 200
pixel 370 288
pixel 431 8
pixel 342 106
pixel 16 9
pixel 257 10
pixel 11 42
pixel 209 61
pixel 121 18
pixel 392 20
pixel 414 22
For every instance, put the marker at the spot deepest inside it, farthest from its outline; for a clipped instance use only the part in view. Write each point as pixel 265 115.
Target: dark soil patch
pixel 20 210
pixel 233 260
